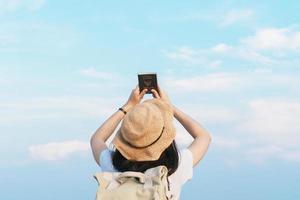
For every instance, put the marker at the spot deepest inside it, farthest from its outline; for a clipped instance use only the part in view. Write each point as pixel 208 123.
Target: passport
pixel 148 81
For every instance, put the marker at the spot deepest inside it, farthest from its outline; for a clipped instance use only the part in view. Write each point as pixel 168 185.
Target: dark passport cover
pixel 149 81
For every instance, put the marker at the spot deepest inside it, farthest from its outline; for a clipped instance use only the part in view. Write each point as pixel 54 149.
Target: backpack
pixel 150 185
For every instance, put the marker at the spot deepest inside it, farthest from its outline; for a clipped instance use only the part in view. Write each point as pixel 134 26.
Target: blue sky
pixel 65 66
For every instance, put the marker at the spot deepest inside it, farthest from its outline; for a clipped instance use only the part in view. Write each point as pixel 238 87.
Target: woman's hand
pixel 162 95
pixel 135 97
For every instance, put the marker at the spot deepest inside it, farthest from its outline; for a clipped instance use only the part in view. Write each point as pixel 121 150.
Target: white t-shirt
pixel 183 173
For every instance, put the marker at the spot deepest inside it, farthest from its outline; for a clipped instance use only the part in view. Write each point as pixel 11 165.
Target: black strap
pixel 143 146
pixel 122 110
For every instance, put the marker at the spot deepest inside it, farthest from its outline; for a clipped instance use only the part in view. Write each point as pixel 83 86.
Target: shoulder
pixel 185 166
pixel 183 173
pixel 185 155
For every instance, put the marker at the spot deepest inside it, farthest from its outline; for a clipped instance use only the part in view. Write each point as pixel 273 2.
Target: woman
pixel 146 139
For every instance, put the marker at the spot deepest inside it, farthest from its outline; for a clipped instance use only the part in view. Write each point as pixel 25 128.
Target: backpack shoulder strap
pixel 109 180
pixel 162 173
pixel 125 175
pixel 102 181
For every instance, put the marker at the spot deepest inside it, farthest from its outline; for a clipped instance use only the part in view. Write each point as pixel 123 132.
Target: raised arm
pixel 201 137
pixel 101 135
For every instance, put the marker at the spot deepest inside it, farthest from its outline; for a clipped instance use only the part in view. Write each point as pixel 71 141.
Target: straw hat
pixel 146 131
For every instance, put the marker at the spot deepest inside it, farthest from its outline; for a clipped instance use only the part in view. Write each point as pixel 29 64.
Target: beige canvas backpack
pixel 150 185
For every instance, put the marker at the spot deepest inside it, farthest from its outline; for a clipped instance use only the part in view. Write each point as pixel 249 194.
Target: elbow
pixel 95 140
pixel 209 138
pixel 92 140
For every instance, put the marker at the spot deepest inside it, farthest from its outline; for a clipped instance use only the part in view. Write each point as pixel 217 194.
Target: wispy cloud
pixel 268 131
pixel 16 36
pixel 274 39
pixel 221 48
pixel 93 72
pixel 185 54
pixel 180 17
pixel 209 82
pixel 225 142
pixel 274 121
pixel 58 150
pixel 263 154
pixel 193 57
pixel 214 57
pixel 30 110
pixel 221 18
pixel 266 46
pixel 253 56
pixel 208 115
pixel 236 16
pixel 14 5
pixel 213 114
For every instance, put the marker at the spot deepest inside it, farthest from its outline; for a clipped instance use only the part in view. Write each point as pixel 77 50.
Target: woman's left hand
pixel 135 97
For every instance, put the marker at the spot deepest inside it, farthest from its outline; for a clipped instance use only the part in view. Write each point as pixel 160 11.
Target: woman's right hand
pixel 162 95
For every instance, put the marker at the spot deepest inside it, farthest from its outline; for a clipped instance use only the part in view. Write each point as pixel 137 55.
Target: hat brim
pixel 153 151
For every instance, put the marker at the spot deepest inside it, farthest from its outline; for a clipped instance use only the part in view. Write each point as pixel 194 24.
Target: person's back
pixel 146 140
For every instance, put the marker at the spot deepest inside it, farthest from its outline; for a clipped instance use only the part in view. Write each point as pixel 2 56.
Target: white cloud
pixel 274 39
pixel 214 64
pixel 225 142
pixel 93 72
pixel 209 82
pixel 267 46
pixel 192 56
pixel 207 114
pixel 222 17
pixel 16 37
pixel 228 148
pixel 35 4
pixel 9 5
pixel 181 17
pixel 58 150
pixel 183 53
pixel 263 154
pixel 236 16
pixel 214 56
pixel 253 56
pixel 14 5
pixel 263 71
pixel 268 80
pixel 221 48
pixel 274 121
pixel 55 108
pixel 212 114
